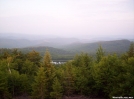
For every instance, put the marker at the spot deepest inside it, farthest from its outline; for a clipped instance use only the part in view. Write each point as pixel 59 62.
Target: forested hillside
pixel 71 45
pixel 36 77
pixel 67 52
pixel 56 53
pixel 115 46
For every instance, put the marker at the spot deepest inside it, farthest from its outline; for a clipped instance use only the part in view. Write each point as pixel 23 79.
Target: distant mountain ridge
pixel 65 46
pixel 68 51
pixel 117 46
pixel 21 43
pixel 14 43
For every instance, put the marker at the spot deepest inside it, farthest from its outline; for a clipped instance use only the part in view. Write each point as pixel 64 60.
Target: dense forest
pixel 106 75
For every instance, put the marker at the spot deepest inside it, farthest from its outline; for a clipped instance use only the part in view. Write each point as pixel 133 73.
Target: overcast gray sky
pixel 68 18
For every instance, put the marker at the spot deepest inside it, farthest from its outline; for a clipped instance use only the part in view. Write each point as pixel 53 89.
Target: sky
pixel 68 18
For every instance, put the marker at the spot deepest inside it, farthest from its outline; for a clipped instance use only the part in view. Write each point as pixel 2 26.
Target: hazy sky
pixel 71 18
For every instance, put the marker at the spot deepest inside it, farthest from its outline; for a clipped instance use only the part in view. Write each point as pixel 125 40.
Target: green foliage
pixel 3 65
pixel 99 54
pixel 4 94
pixel 129 76
pixel 29 68
pixel 49 73
pixel 49 68
pixel 81 81
pixel 83 78
pixel 68 80
pixel 34 57
pixel 17 65
pixel 112 78
pixel 47 59
pixel 131 50
pixel 17 83
pixel 106 76
pixel 57 89
pixel 57 54
pixel 116 46
pixel 39 85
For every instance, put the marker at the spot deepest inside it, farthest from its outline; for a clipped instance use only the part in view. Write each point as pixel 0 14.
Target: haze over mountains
pixel 22 40
pixel 65 46
pixel 67 26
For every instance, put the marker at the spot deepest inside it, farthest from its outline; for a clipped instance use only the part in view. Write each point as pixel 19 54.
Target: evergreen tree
pixel 34 57
pixel 49 72
pixel 131 50
pixel 68 81
pixel 108 75
pixel 29 68
pixel 57 89
pixel 99 54
pixel 83 64
pixel 128 86
pixel 39 86
pixel 47 59
pixel 78 60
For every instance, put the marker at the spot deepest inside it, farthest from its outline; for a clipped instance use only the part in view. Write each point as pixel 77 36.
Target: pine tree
pixel 49 72
pixel 34 57
pixel 39 86
pixel 29 68
pixel 99 54
pixel 82 77
pixel 47 59
pixel 68 80
pixel 131 50
pixel 57 89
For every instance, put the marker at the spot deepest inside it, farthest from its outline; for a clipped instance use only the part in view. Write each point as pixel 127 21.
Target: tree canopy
pixel 101 76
